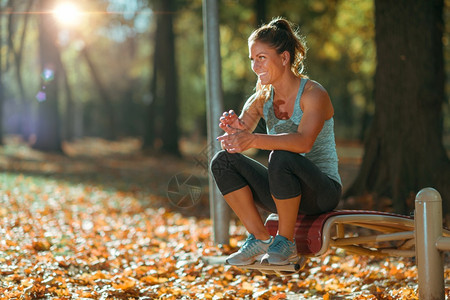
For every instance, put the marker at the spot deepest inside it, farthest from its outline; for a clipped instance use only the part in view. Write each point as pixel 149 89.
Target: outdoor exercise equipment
pixel 378 234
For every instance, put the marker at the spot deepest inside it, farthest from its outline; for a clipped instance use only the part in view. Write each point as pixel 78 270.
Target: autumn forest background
pixel 103 102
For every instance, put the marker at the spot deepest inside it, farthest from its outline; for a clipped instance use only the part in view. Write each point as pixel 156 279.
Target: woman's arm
pixel 317 108
pixel 248 120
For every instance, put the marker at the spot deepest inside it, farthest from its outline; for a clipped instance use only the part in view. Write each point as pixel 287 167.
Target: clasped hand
pixel 236 138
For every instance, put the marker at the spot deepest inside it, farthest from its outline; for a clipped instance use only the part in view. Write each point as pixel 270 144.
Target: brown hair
pixel 281 35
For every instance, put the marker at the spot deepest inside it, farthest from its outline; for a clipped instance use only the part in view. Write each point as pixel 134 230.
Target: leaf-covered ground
pixel 76 227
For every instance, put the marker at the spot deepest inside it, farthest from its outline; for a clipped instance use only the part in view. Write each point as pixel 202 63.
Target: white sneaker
pixel 252 250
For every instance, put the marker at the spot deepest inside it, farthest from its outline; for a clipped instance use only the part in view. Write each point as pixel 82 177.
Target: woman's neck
pixel 287 86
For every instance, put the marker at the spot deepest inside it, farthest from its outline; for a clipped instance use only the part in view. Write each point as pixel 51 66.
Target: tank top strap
pixel 299 94
pixel 297 113
pixel 268 104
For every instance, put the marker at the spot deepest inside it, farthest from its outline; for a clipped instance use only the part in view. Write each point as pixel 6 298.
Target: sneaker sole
pixel 248 262
pixel 281 263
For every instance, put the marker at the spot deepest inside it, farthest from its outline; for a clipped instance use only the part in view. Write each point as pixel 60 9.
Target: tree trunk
pixel 2 93
pixel 170 133
pixel 69 126
pixel 404 151
pixel 103 93
pixel 150 125
pixel 47 133
pixel 25 111
pixel 165 74
pixel 261 12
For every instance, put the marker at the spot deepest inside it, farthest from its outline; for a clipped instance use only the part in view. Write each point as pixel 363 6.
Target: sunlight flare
pixel 67 14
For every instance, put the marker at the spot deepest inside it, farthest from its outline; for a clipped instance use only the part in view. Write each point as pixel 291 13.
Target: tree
pixel 165 74
pixel 2 93
pixel 170 134
pixel 403 149
pixel 17 52
pixel 103 93
pixel 69 117
pixel 47 132
pixel 261 12
pixel 150 128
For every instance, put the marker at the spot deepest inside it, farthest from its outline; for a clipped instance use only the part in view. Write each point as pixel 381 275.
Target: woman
pixel 302 174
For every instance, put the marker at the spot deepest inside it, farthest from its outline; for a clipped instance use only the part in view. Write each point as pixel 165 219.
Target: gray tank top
pixel 323 152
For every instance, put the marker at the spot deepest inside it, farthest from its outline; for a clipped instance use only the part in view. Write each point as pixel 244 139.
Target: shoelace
pixel 282 246
pixel 250 246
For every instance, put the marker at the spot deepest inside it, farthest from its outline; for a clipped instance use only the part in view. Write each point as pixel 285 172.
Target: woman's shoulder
pixel 315 95
pixel 314 87
pixel 314 90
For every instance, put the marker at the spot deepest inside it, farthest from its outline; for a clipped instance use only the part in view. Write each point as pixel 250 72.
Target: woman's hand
pixel 236 142
pixel 230 122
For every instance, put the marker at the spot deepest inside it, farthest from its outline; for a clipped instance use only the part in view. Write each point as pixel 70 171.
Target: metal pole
pixel 219 209
pixel 428 225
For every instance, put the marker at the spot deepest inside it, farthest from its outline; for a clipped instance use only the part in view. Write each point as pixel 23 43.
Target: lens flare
pixel 67 14
pixel 41 96
pixel 48 75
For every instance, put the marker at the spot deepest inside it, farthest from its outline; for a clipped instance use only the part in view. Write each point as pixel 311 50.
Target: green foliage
pixel 119 36
pixel 344 61
pixel 341 52
pixel 191 70
pixel 341 55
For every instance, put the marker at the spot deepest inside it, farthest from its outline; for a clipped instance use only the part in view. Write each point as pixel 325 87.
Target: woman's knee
pixel 221 160
pixel 280 159
pixel 217 159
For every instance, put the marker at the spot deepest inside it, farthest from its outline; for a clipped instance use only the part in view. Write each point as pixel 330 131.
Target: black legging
pixel 288 175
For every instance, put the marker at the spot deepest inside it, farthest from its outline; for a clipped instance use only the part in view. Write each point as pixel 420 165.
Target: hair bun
pixel 280 23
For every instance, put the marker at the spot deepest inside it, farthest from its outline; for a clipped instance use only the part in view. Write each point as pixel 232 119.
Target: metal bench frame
pixel 390 235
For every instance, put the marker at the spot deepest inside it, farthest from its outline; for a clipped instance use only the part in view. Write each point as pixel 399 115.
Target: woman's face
pixel 266 62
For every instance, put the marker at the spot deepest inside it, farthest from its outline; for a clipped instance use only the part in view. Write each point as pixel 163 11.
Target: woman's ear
pixel 285 58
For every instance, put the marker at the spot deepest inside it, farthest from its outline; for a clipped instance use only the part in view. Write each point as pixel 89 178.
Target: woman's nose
pixel 255 67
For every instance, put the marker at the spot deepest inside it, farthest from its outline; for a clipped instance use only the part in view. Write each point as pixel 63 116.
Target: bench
pixel 378 234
